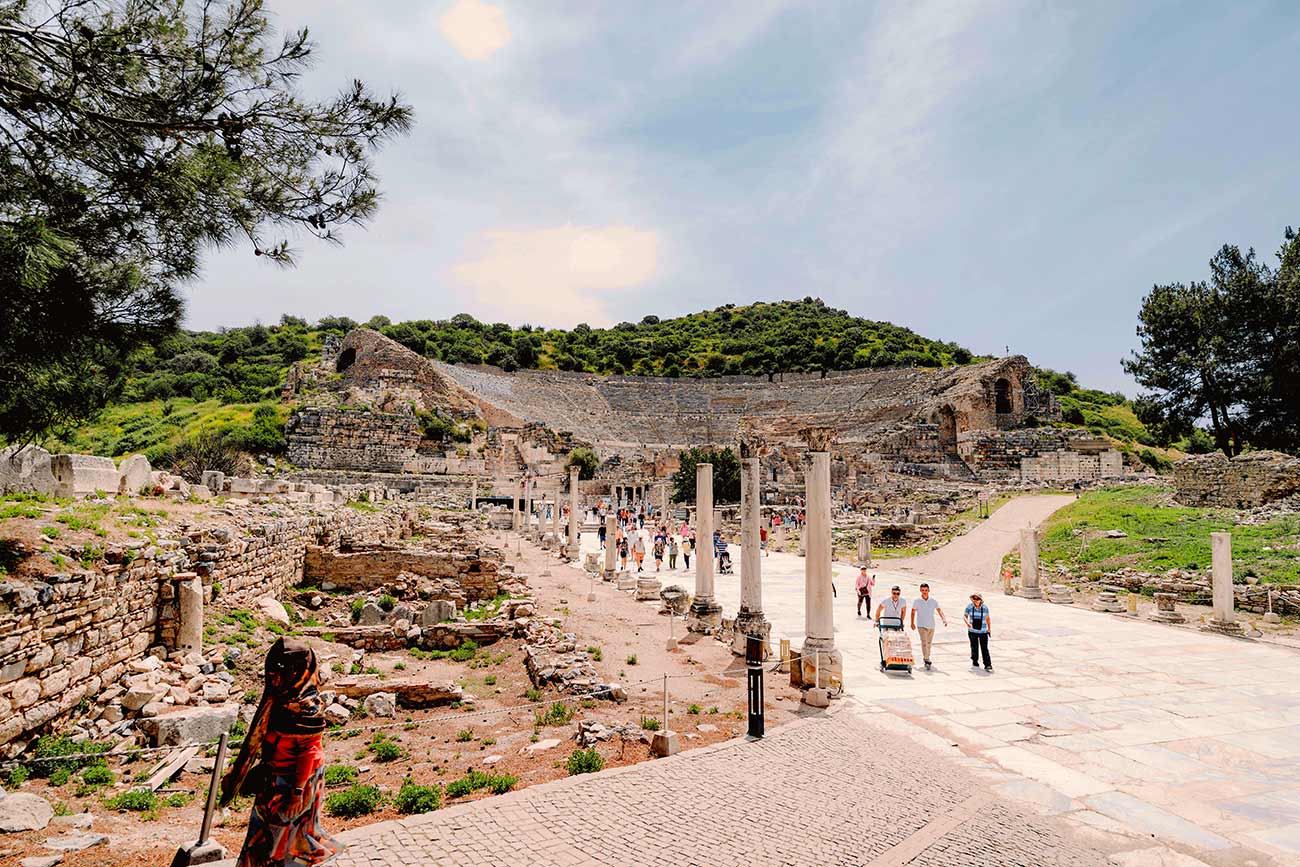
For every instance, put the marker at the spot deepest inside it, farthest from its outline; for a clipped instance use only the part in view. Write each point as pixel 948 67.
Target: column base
pixel 1167 617
pixel 749 623
pixel 647 589
pixel 1225 627
pixel 1030 593
pixel 1272 617
pixel 817 697
pixel 820 670
pixel 627 581
pixel 704 617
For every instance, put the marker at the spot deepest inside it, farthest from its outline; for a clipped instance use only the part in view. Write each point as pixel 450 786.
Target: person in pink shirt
pixel 866 583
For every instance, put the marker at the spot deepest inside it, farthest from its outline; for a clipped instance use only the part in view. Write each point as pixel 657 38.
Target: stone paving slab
pixel 832 790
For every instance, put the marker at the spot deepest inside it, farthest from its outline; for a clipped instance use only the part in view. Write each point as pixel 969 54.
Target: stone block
pixel 135 472
pixel 380 704
pixel 665 743
pixel 213 480
pixel 437 611
pixel 21 811
pixel 25 469
pixel 82 475
pixel 199 724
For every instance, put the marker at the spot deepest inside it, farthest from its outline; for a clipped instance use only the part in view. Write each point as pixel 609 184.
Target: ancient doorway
pixel 948 431
pixel 346 357
pixel 1002 397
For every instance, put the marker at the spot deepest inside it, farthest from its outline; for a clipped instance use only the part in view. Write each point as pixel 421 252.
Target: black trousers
pixel 979 644
pixel 864 597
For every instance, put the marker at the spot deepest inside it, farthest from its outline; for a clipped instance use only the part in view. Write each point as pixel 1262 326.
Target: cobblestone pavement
pixel 833 790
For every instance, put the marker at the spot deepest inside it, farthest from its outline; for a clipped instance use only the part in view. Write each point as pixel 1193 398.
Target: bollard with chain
pixel 205 850
pixel 754 664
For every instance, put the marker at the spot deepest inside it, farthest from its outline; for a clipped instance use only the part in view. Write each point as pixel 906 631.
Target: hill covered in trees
pixel 213 381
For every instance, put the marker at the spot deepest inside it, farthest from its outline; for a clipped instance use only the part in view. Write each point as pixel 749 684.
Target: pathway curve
pixel 1099 739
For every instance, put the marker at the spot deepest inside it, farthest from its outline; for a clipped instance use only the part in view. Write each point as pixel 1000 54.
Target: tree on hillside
pixel 585 460
pixel 726 475
pixel 1225 351
pixel 132 137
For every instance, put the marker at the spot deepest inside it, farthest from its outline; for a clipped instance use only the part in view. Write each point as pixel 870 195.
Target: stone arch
pixel 346 358
pixel 948 431
pixel 1002 396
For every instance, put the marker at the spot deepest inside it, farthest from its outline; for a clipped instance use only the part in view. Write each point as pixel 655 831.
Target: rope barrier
pixel 462 714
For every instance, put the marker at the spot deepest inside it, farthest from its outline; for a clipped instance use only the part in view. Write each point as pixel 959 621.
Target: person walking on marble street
pixel 762 545
pixel 923 610
pixel 659 552
pixel 622 551
pixel 688 545
pixel 865 584
pixel 672 553
pixel 281 764
pixel 978 629
pixel 893 606
pixel 638 551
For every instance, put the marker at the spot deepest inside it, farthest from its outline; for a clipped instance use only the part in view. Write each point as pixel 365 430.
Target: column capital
pixel 818 438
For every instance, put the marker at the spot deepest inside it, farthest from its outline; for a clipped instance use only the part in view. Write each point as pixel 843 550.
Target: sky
pixel 1002 174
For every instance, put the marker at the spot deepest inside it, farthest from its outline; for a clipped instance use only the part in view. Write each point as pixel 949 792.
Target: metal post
pixel 206 850
pixel 754 664
pixel 213 786
pixel 665 702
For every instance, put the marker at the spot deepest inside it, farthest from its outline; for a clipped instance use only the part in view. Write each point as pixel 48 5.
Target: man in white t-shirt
pixel 893 606
pixel 923 611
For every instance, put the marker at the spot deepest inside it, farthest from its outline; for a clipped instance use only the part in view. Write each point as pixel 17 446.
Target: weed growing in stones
pixel 354 801
pixel 584 762
pixel 340 775
pixel 558 714
pixel 413 798
pixel 650 724
pixel 134 800
pixel 465 735
pixel 595 653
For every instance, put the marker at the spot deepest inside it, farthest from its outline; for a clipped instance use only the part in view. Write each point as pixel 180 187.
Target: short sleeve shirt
pixel 924 610
pixel 892 608
pixel 982 612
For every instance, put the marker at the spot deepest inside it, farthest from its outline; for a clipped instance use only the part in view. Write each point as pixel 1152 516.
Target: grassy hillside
pixel 205 380
pixel 1161 535
pixel 1109 414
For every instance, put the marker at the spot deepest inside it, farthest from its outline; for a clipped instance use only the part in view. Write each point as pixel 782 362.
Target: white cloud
pixel 474 28
pixel 558 275
pixel 732 27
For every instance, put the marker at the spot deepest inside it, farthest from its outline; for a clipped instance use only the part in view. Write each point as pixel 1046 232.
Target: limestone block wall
pixel 63 638
pixel 476 570
pixel 1068 465
pixel 1248 480
pixel 352 439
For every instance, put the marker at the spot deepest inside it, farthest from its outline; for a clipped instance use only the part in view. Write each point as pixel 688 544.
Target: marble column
pixel 473 495
pixel 528 507
pixel 555 516
pixel 189 612
pixel 1029 564
pixel 820 659
pixel 514 505
pixel 575 529
pixel 611 545
pixel 1223 617
pixel 705 614
pixel 864 548
pixel 750 619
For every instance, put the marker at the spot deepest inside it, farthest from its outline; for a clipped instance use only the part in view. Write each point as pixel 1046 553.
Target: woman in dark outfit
pixel 281 764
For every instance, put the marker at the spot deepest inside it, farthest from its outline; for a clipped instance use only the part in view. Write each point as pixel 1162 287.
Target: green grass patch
pixel 354 801
pixel 413 798
pixel 584 762
pixel 1160 536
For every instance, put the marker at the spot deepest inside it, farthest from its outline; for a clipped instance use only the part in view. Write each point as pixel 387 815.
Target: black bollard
pixel 754 664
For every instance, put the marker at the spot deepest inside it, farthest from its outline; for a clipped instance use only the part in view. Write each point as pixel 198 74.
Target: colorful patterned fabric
pixel 284 829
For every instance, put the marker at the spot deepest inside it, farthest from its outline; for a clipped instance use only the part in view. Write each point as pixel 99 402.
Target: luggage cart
pixel 895 646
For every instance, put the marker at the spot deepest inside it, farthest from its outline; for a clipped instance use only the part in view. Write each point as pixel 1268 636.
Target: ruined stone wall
pixel 62 639
pixel 1248 480
pixel 377 567
pixel 352 439
pixel 1069 465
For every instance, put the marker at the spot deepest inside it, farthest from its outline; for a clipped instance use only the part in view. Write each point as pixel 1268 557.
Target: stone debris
pixel 22 811
pixel 135 475
pixel 380 704
pixel 541 746
pixel 409 692
pixel 75 842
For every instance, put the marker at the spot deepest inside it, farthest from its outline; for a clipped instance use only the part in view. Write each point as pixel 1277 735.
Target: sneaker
pixel 988 668
pixel 974 665
pixel 927 665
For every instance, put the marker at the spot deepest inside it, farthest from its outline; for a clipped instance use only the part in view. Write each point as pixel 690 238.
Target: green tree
pixel 726 474
pixel 134 136
pixel 585 460
pixel 1191 355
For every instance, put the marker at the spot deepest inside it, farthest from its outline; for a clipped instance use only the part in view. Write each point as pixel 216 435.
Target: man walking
pixel 978 629
pixel 865 583
pixel 923 611
pixel 894 606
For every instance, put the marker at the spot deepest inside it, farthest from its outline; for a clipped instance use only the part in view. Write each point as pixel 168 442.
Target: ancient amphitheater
pixel 979 421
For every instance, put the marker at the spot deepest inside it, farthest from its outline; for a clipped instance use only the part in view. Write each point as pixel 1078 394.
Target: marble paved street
pixel 815 793
pixel 1133 727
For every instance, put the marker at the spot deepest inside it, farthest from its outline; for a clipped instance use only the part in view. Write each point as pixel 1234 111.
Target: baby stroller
pixel 724 562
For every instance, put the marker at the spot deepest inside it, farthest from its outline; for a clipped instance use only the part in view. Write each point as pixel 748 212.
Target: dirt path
pixel 976 558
